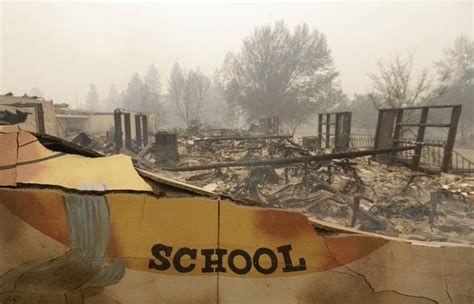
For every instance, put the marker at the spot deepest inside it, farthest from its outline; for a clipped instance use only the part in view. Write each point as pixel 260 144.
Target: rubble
pixel 392 200
pixel 351 191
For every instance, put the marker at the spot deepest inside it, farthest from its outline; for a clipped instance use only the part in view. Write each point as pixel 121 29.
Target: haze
pixel 63 47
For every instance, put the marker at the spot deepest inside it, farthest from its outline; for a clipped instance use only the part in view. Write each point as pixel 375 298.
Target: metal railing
pixel 461 165
pixel 431 157
pixel 362 141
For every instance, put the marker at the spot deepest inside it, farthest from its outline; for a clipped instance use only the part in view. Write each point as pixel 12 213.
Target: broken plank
pixel 276 162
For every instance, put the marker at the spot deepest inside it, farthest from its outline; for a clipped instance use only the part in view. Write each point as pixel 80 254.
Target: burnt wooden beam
pixel 432 125
pixel 448 149
pixel 213 139
pixel 420 137
pixel 328 131
pixel 39 118
pixel 284 162
pixel 138 130
pixel 145 129
pixel 128 131
pixel 320 130
pixel 118 130
pixel 420 107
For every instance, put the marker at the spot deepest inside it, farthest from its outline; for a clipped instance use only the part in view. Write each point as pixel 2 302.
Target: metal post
pixel 145 129
pixel 420 138
pixel 347 128
pixel 328 131
pixel 398 127
pixel 453 128
pixel 128 131
pixel 378 129
pixel 138 130
pixel 320 130
pixel 397 132
pixel 118 130
pixel 337 131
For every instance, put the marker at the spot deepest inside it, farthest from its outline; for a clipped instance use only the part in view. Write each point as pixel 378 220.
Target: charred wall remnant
pixel 39 114
pixel 341 133
pixel 390 134
pixel 270 125
pixel 141 129
pixel 166 147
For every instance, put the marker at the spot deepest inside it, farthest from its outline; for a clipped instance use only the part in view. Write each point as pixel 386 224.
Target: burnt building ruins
pixel 406 179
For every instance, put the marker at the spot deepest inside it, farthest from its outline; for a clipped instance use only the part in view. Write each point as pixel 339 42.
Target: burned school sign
pixel 264 260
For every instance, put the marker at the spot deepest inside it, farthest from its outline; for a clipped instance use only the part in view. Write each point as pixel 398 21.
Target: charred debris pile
pixel 351 191
pixel 396 186
pixel 293 173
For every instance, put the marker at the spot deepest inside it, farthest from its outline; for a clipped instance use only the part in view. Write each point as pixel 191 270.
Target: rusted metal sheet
pixel 70 241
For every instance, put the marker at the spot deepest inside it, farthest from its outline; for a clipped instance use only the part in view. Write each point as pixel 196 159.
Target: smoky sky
pixel 63 47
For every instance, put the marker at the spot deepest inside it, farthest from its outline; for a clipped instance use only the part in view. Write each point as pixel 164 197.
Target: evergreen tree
pixel 152 91
pixel 92 98
pixel 113 99
pixel 134 94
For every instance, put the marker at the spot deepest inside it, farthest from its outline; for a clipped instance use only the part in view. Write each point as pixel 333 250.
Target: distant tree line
pixel 290 73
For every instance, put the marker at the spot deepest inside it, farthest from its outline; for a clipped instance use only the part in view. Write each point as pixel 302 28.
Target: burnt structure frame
pixel 342 129
pixel 141 129
pixel 270 125
pixel 389 129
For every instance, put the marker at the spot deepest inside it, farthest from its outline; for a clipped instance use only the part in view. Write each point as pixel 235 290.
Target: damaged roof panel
pixel 35 164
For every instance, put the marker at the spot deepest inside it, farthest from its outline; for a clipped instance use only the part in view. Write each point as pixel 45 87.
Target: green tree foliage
pixel 281 73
